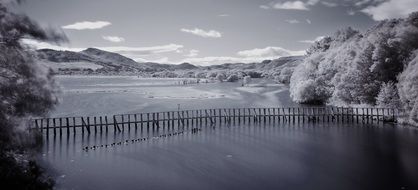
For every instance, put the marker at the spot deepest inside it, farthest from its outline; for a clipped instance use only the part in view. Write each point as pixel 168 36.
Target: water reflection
pixel 257 156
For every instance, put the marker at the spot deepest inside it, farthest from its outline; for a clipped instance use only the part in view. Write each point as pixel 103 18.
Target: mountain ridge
pixel 104 62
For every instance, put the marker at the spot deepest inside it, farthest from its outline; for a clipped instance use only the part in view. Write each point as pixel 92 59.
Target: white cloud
pixel 143 50
pixel 163 60
pixel 351 12
pixel 329 4
pixel 87 25
pixel 202 33
pixel 264 7
pixel 391 9
pixel 312 2
pixel 293 21
pixel 44 45
pixel 269 52
pixel 224 15
pixel 117 49
pixel 204 61
pixel 292 5
pixel 115 39
pixel 192 53
pixel 312 41
pixel 362 2
pixel 308 21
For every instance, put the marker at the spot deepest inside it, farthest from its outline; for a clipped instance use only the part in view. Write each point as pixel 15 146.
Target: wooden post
pixel 47 127
pixel 158 121
pixel 264 115
pixel 206 117
pixel 107 123
pixel 115 124
pixel 95 127
pixel 83 124
pixel 357 116
pixel 88 125
pixel 293 113
pixel 269 114
pixel 239 115
pixel 259 115
pixel 168 120
pixel 255 116
pixel 393 114
pixel 173 119
pixel 129 122
pixel 229 116
pixel 123 122
pixel 153 121
pixel 233 115
pixel 338 114
pixel 220 116
pixel 383 114
pixel 197 118
pixel 54 125
pixel 67 120
pixel 202 117
pixel 213 116
pixel 187 120
pixel 136 121
pixel 367 111
pixel 142 121
pixel 37 125
pixel 289 116
pixel 147 121
pixel 42 125
pixel 74 125
pixel 372 115
pixel 163 119
pixel 60 126
pixel 182 118
pixel 101 124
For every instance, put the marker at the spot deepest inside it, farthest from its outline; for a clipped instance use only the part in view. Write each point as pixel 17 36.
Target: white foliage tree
pixel 350 67
pixel 232 78
pixel 388 96
pixel 247 80
pixel 220 77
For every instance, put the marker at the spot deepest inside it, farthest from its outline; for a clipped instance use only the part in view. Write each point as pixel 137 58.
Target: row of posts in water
pixel 178 119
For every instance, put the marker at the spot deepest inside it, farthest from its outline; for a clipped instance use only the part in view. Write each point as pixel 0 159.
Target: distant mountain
pixel 112 58
pixel 171 67
pixel 266 65
pixel 91 60
pixel 96 61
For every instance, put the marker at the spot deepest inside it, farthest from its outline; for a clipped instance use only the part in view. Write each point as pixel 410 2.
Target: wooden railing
pixel 178 119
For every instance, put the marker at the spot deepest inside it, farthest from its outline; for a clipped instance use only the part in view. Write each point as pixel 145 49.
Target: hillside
pixel 96 61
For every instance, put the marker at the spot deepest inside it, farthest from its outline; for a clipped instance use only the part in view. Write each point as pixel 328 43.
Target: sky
pixel 205 32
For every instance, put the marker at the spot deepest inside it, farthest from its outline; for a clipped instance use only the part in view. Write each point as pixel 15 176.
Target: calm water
pixel 262 156
pixel 115 95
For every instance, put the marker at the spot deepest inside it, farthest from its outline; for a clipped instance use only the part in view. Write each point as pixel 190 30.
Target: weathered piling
pixel 231 116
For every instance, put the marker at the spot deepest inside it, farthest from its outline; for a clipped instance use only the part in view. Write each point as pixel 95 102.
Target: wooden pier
pixel 210 117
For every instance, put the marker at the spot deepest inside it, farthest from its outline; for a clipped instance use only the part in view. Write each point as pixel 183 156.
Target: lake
pixel 273 155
